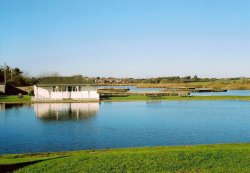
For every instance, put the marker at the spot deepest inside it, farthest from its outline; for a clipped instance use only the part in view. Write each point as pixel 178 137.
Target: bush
pixel 20 95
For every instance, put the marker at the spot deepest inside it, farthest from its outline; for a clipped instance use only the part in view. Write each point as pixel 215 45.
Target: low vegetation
pixel 16 77
pixel 27 99
pixel 176 82
pixel 15 99
pixel 204 158
pixel 220 84
pixel 173 98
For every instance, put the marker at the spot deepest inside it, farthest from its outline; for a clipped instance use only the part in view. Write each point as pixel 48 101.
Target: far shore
pixel 27 99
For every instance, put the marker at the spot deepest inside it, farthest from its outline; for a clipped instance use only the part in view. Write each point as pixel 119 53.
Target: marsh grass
pixel 223 84
pixel 175 98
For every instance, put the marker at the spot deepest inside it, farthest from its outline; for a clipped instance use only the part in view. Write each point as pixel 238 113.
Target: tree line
pixel 15 76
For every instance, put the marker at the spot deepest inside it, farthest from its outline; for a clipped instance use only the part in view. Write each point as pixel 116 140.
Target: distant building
pixel 60 88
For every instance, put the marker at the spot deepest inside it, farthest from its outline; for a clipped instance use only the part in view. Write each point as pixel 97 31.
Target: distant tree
pixel 17 81
pixel 195 78
pixel 29 80
pixel 186 78
pixel 49 74
pixel 1 75
pixel 16 72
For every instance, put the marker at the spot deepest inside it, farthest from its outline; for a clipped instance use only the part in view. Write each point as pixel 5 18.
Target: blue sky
pixel 127 38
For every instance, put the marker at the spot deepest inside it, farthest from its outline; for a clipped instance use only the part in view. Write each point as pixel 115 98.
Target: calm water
pixel 58 127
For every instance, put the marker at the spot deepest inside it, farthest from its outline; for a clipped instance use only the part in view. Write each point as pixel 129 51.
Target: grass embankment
pixel 15 99
pixel 206 158
pixel 175 98
pixel 27 99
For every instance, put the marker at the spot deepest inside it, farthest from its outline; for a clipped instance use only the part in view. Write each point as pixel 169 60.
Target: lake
pixel 76 126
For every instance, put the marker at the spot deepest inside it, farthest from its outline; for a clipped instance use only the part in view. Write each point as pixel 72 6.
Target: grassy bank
pixel 175 98
pixel 15 99
pixel 207 158
pixel 27 99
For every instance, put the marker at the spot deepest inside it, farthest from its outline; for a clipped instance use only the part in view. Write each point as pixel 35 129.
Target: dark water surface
pixel 75 126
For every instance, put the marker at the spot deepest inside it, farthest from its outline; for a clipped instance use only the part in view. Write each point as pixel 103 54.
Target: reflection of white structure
pixel 2 107
pixel 60 92
pixel 65 110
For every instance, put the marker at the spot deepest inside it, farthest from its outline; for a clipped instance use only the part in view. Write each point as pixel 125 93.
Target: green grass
pixel 173 98
pixel 15 99
pixel 27 99
pixel 203 158
pixel 9 159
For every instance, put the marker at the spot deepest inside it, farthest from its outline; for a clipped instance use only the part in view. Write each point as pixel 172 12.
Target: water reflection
pixel 65 111
pixel 4 106
pixel 154 102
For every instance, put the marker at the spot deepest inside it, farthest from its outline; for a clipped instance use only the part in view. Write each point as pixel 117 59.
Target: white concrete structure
pixel 2 88
pixel 60 92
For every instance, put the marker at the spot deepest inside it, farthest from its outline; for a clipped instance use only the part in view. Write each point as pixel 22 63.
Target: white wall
pixel 93 94
pixel 41 93
pixel 2 88
pixel 59 95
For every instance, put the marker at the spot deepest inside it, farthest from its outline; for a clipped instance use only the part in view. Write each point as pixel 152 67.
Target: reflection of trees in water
pixel 65 111
pixel 6 106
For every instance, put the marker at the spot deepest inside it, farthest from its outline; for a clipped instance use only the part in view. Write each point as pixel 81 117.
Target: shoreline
pixel 187 158
pixel 131 148
pixel 177 98
pixel 27 99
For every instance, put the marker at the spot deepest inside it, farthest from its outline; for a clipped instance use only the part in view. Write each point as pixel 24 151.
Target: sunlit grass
pixel 15 99
pixel 207 158
pixel 223 84
pixel 27 99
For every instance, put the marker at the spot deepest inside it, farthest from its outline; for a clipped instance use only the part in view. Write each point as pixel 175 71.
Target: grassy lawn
pixel 15 99
pixel 204 158
pixel 173 98
pixel 27 99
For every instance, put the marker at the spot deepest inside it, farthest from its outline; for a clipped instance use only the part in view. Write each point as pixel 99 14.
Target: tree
pixel 5 73
pixel 16 72
pixel 49 74
pixel 195 78
pixel 1 75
